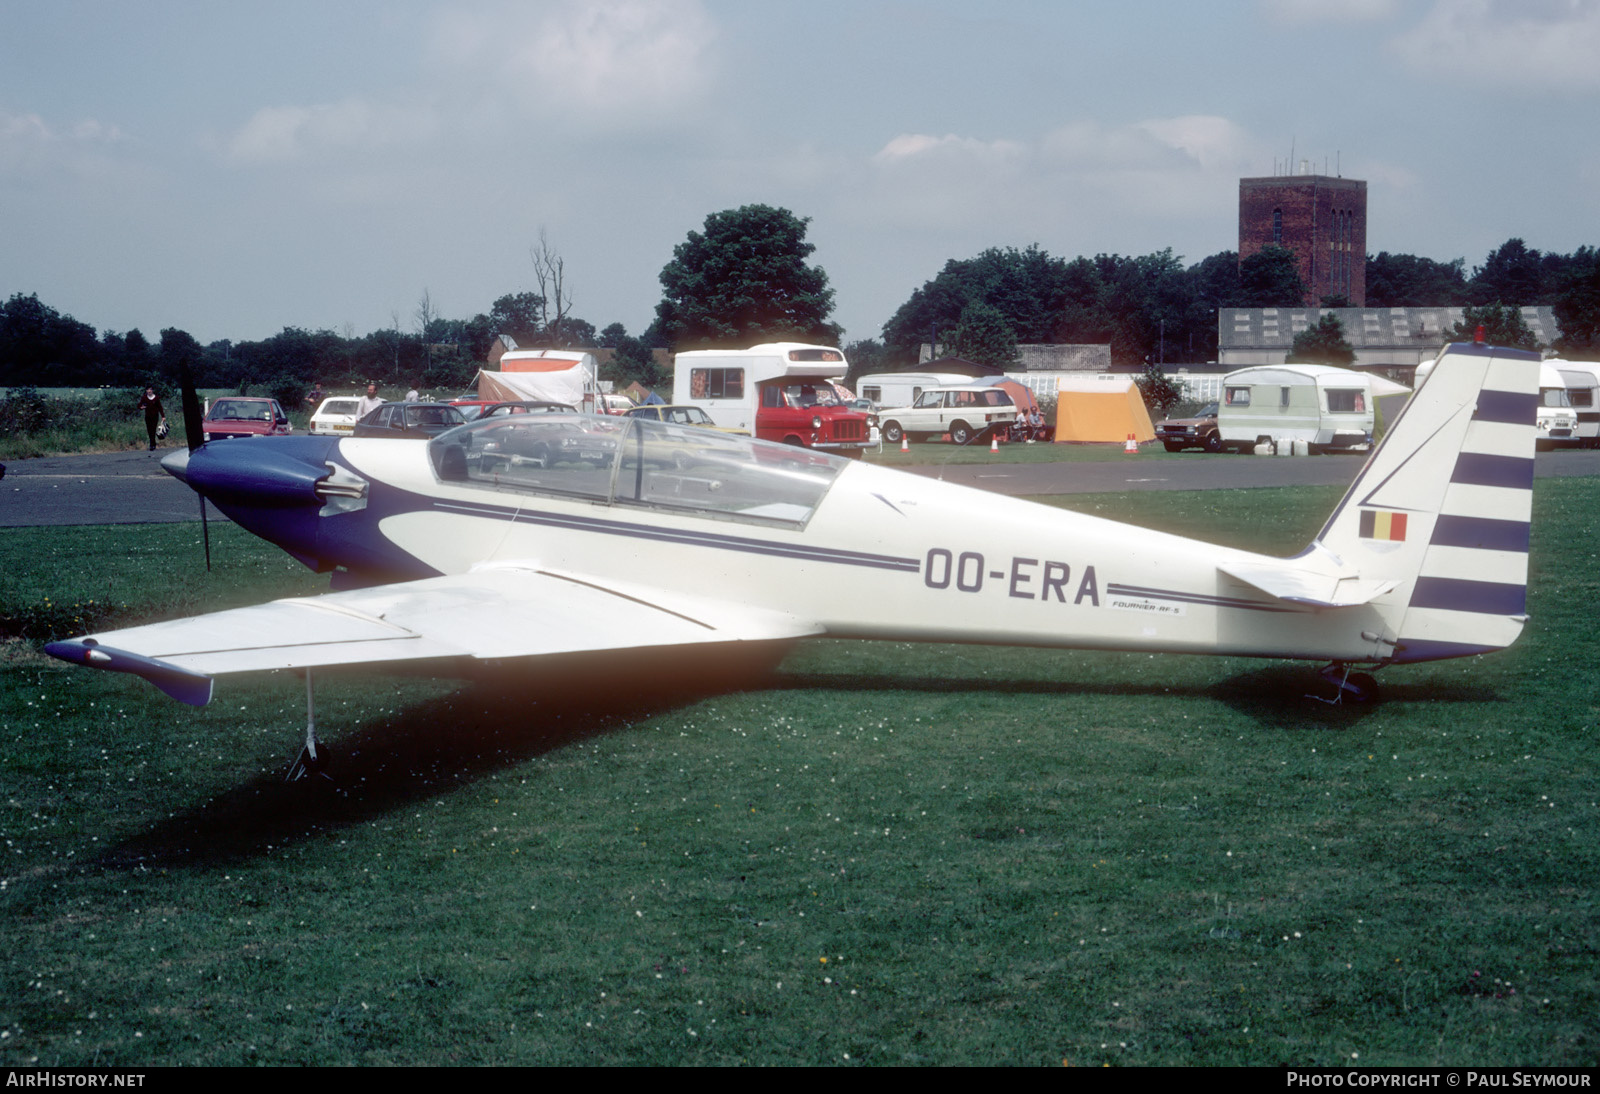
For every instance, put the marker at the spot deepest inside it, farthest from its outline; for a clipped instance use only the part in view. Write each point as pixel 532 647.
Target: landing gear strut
pixel 1348 687
pixel 313 757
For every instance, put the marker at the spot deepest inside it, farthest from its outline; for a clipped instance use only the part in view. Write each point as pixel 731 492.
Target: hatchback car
pixel 683 415
pixel 244 416
pixel 409 420
pixel 336 417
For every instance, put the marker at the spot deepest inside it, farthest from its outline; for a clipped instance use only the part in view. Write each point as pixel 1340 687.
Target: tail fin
pixel 1443 507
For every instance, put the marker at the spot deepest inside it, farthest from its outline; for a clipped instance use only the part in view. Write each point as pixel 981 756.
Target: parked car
pixel 473 409
pixel 965 413
pixel 336 417
pixel 545 441
pixel 683 415
pixel 409 420
pixel 244 416
pixel 1199 431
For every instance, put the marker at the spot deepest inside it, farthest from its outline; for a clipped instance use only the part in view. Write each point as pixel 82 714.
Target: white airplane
pixel 541 534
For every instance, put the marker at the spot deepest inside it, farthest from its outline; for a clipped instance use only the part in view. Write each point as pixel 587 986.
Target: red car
pixel 244 416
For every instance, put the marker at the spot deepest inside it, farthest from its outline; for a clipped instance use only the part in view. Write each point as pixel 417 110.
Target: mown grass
pixel 882 854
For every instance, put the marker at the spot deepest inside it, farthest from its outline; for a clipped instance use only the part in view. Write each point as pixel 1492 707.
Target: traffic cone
pixel 1131 448
pixel 904 445
pixel 994 442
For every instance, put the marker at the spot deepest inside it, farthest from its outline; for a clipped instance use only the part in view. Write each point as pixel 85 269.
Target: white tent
pixel 548 375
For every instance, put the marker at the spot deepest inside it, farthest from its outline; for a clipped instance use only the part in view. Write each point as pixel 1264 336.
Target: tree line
pixel 746 277
pixel 1153 309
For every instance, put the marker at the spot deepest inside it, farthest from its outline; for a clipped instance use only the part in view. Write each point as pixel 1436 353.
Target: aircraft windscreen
pixel 636 461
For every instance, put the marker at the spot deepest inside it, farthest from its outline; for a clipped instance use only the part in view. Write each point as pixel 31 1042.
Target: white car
pixel 336 417
pixel 962 412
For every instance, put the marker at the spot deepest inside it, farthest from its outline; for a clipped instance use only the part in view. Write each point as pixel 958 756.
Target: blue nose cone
pixel 258 473
pixel 266 485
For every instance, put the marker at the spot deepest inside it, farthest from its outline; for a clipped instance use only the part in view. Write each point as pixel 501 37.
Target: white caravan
pixel 1323 406
pixel 903 388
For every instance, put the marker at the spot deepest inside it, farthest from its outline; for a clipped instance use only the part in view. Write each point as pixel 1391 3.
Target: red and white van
pixel 779 391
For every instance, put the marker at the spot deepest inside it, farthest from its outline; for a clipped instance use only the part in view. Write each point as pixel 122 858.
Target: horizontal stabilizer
pixel 1307 585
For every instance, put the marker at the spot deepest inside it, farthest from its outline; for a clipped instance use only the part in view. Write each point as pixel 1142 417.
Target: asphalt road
pixel 131 488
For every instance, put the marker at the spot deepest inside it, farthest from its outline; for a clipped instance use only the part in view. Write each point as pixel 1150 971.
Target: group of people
pixel 1029 426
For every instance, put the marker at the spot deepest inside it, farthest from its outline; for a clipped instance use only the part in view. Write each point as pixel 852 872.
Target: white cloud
pixel 31 145
pixel 584 62
pixel 281 133
pixel 1080 174
pixel 1551 44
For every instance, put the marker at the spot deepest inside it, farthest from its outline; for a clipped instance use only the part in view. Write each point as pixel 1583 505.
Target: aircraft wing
pixel 489 613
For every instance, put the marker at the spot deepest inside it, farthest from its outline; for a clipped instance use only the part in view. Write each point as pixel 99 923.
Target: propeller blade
pixel 193 429
pixel 195 435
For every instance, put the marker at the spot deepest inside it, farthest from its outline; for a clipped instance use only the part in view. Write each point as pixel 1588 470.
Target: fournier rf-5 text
pixel 517 538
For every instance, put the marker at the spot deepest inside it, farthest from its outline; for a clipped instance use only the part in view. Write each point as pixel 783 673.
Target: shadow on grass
pixel 496 721
pixel 502 719
pixel 1277 696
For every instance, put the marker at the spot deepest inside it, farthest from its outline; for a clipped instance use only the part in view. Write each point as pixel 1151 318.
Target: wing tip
pixel 181 684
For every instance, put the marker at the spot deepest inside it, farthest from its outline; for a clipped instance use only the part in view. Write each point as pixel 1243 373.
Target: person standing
pixel 154 415
pixel 368 402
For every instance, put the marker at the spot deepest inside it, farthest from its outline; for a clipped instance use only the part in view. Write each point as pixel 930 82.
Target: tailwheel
pixel 1348 687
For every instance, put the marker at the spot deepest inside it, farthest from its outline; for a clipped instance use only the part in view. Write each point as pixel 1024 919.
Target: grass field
pixel 883 854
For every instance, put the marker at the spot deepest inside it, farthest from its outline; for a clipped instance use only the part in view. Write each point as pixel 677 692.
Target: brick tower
pixel 1322 219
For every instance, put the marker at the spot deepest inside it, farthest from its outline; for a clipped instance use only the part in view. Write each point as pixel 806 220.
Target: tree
pixel 744 280
pixel 1270 278
pixel 1160 394
pixel 1323 344
pixel 984 335
pixel 425 316
pixel 1502 326
pixel 1513 274
pixel 1577 307
pixel 177 350
pixel 1406 281
pixel 519 315
pixel 555 299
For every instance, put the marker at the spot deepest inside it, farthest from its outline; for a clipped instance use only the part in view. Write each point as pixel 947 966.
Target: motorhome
pixel 779 391
pixel 1556 418
pixel 1322 406
pixel 1582 380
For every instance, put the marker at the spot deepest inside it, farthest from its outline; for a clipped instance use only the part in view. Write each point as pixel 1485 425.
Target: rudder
pixel 1444 506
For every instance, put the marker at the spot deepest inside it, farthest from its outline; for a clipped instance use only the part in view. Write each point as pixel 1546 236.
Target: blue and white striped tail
pixel 1444 505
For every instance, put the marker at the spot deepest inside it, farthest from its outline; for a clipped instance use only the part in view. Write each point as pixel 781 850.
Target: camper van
pixel 780 391
pixel 1556 418
pixel 1325 407
pixel 903 388
pixel 1582 379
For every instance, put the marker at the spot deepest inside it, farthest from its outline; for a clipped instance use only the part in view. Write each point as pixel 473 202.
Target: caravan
pixel 1321 406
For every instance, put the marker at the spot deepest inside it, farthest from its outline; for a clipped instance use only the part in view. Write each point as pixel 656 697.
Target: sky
pixel 234 169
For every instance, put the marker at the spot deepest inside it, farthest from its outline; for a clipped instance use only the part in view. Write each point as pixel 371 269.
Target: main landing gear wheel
pixel 314 756
pixel 1348 687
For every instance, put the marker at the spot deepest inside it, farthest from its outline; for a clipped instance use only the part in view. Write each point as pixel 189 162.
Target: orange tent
pixel 1101 408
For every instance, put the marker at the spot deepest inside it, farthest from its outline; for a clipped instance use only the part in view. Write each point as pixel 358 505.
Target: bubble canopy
pixel 635 461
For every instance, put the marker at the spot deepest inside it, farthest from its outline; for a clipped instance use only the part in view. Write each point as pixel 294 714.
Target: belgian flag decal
pixel 1376 524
